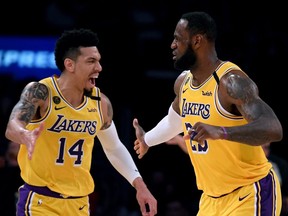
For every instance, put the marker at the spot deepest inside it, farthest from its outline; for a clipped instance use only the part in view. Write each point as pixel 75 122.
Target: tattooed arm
pixel 238 94
pixel 32 103
pixel 263 125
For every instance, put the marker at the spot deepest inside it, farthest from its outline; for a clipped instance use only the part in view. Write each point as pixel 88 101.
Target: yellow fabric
pixel 43 205
pixel 220 165
pixel 62 155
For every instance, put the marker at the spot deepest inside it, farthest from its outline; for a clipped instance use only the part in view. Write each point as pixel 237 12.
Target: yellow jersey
pixel 63 152
pixel 220 166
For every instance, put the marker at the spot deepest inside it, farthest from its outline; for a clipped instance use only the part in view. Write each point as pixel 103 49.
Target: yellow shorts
pixel 263 198
pixel 39 201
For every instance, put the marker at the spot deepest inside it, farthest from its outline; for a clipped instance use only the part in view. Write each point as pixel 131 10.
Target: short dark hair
pixel 69 43
pixel 201 23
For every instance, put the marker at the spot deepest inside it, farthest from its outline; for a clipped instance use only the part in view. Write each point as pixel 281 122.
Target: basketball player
pixel 224 121
pixel 56 121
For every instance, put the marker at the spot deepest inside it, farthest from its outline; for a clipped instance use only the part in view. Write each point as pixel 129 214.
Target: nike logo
pixel 80 208
pixel 184 90
pixel 242 198
pixel 59 108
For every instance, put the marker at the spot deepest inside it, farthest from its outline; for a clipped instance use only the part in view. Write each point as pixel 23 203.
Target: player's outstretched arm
pixel 33 97
pixel 122 161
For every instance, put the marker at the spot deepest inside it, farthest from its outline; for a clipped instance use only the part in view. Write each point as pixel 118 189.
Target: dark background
pixel 138 76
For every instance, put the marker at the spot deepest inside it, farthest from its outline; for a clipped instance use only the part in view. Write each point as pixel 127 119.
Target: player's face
pixel 186 61
pixel 183 55
pixel 88 67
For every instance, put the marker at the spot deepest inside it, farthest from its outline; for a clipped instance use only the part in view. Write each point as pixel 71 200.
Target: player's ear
pixel 196 40
pixel 69 64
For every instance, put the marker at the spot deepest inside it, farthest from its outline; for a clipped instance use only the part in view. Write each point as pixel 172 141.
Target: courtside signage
pixel 26 57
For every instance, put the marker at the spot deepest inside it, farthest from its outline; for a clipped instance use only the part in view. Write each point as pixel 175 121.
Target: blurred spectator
pixel 175 208
pixel 11 154
pixel 10 180
pixel 64 14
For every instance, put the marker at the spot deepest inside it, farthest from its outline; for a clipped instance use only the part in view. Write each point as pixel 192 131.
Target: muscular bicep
pixel 243 94
pixel 33 96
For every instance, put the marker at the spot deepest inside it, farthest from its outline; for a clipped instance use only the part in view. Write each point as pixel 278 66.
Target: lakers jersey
pixel 63 152
pixel 220 166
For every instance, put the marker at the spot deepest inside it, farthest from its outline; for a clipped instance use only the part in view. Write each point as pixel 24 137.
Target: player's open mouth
pixel 92 81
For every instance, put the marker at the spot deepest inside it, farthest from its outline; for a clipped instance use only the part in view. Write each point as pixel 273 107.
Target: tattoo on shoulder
pixel 236 84
pixel 28 104
pixel 34 92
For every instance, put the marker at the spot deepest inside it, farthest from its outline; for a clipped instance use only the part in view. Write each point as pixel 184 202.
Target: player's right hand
pixel 30 139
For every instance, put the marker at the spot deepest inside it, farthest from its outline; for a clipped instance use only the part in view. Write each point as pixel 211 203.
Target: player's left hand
pixel 201 132
pixel 140 146
pixel 146 201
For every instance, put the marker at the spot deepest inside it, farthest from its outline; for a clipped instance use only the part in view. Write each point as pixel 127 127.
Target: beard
pixel 186 61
